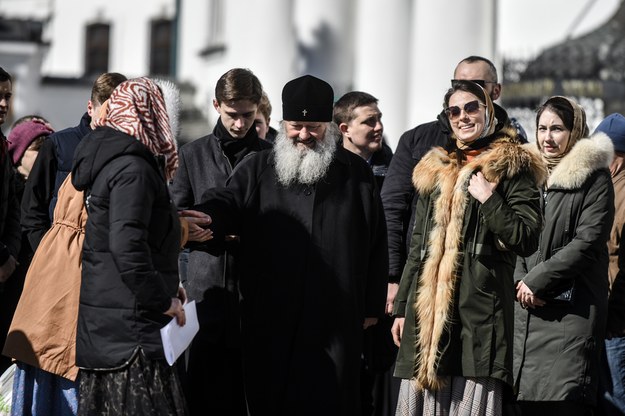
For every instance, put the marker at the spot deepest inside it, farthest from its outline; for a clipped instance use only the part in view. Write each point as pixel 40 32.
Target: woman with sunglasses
pixel 478 207
pixel 563 291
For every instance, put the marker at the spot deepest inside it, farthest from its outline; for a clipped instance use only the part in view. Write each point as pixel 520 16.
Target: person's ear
pixel 344 129
pixel 496 92
pixel 90 108
pixel 216 105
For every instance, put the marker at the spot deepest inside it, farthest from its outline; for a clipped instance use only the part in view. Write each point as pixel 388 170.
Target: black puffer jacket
pixel 130 252
pixel 398 194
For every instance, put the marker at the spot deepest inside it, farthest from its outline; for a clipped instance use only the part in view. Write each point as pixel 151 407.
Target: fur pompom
pixel 171 96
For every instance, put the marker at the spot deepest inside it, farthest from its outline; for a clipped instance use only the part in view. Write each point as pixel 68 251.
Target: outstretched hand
pixel 198 225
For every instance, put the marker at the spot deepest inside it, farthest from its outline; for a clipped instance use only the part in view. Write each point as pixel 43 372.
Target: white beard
pixel 302 164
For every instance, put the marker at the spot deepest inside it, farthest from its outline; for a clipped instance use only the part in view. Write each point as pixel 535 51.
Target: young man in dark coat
pixel 360 122
pixel 313 260
pixel 213 379
pixel 54 162
pixel 10 234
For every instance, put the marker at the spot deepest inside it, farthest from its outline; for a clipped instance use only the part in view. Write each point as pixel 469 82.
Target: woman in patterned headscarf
pixel 129 287
pixel 477 208
pixel 563 288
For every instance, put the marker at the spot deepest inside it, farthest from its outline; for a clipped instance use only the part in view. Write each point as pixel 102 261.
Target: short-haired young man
pixel 360 123
pixel 213 382
pixel 359 120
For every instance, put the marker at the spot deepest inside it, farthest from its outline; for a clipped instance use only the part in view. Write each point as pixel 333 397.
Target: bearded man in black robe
pixel 312 262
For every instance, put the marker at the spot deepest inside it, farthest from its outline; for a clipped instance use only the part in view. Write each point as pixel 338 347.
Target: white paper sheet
pixel 176 338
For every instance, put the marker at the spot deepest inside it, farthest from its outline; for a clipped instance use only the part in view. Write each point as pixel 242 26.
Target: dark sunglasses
pixel 481 82
pixel 471 108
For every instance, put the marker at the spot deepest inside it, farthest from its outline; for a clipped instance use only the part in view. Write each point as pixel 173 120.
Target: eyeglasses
pixel 481 82
pixel 471 108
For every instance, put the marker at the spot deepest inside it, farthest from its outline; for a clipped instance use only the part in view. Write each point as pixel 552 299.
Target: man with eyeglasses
pixel 398 194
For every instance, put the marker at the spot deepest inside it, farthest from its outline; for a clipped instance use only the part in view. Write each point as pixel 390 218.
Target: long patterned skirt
pixel 144 387
pixel 482 396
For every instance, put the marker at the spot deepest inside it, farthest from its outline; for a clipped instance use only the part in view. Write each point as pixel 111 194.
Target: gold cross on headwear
pixel 304 112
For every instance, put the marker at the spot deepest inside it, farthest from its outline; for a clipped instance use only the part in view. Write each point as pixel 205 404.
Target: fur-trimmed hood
pixel 439 171
pixel 587 156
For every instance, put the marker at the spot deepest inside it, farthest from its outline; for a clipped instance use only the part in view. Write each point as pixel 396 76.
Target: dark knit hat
pixel 22 136
pixel 307 98
pixel 614 126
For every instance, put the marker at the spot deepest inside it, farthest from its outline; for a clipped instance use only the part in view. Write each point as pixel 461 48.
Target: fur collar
pixel 504 159
pixel 587 156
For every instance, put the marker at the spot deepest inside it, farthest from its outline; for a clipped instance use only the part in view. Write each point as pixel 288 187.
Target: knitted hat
pixel 614 126
pixel 307 98
pixel 22 136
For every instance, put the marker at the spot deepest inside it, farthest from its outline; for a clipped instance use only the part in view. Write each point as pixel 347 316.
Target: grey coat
pixel 203 165
pixel 557 347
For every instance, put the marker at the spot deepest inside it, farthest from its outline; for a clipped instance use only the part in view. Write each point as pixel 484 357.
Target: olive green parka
pixel 457 290
pixel 557 346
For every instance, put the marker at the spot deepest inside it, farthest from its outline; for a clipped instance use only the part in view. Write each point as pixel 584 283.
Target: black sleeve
pixel 11 234
pixel 397 196
pixel 38 193
pixel 181 189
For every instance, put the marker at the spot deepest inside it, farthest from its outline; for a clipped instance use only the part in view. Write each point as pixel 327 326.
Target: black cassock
pixel 313 265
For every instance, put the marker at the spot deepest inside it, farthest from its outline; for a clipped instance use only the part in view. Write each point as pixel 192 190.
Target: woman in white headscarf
pixel 477 208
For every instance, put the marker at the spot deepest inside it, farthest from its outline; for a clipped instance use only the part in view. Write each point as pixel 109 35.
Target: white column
pixel 324 29
pixel 443 34
pixel 260 36
pixel 381 46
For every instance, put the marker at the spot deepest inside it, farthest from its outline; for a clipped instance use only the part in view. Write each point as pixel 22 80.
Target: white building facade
pixel 401 51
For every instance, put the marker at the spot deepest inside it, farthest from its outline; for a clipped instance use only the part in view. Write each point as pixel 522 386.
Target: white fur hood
pixel 587 156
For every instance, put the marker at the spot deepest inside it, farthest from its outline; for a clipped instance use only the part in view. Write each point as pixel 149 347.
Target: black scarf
pixel 235 149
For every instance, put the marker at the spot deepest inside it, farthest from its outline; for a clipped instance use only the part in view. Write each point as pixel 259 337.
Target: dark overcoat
pixel 557 347
pixel 313 266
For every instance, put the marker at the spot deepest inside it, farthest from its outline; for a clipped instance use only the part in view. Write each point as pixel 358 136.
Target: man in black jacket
pixel 10 235
pixel 398 194
pixel 54 162
pixel 213 381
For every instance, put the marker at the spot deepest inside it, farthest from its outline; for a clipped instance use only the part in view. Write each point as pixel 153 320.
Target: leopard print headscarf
pixel 136 107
